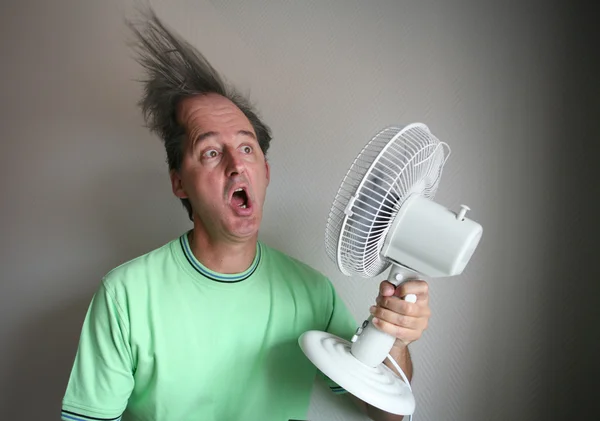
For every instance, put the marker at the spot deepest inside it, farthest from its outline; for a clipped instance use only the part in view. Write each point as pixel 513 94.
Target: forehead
pixel 211 112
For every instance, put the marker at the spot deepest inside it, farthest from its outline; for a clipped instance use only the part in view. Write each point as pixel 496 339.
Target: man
pixel 206 326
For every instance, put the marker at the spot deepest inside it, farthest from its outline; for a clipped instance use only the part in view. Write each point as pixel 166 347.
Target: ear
pixel 177 185
pixel 268 172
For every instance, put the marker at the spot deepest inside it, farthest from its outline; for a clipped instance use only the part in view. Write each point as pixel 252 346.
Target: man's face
pixel 224 173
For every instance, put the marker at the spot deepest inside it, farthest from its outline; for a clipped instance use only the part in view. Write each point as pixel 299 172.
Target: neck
pixel 222 257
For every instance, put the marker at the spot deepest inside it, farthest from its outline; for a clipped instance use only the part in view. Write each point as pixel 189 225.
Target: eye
pixel 211 153
pixel 247 149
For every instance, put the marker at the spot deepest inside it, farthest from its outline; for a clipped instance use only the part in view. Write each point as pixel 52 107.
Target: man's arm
pixel 101 379
pixel 402 357
pixel 406 322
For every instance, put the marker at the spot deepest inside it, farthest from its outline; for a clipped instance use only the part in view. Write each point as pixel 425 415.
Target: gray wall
pixel 508 85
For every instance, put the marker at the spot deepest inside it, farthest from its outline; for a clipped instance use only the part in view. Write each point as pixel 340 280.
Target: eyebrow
pixel 206 135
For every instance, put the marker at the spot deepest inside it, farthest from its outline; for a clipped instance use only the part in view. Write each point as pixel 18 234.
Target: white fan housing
pixel 383 215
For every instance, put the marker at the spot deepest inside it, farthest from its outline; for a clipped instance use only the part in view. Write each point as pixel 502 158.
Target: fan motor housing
pixel 431 239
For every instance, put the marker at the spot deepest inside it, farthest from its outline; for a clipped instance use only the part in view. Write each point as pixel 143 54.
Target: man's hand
pixel 404 320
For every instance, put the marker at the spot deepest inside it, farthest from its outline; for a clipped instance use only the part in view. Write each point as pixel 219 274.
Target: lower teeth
pixel 243 206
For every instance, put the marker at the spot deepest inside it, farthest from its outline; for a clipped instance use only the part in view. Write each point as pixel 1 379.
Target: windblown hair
pixel 175 70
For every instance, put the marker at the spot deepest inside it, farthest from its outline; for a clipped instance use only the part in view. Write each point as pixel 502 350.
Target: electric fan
pixel 383 215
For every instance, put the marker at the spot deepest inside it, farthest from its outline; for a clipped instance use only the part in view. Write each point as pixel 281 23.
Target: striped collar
pixel 216 276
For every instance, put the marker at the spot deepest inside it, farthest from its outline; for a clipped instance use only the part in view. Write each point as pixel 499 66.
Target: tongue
pixel 237 199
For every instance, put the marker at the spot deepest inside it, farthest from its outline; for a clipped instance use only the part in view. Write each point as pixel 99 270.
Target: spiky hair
pixel 175 70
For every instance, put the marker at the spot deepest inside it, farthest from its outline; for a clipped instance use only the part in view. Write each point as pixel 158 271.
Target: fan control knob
pixel 463 210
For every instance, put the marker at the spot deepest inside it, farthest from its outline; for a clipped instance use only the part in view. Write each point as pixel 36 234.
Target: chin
pixel 245 230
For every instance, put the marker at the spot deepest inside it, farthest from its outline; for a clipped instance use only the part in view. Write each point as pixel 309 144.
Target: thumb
pixel 386 288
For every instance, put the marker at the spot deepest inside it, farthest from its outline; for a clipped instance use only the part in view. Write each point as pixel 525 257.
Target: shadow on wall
pixel 135 211
pixel 43 355
pixel 572 366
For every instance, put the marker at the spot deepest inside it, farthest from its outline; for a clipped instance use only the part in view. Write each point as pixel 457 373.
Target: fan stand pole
pixel 370 345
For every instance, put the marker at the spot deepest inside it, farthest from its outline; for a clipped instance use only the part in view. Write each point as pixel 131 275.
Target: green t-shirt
pixel 166 339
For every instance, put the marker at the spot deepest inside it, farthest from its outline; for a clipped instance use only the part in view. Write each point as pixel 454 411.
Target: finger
pixel 397 305
pixel 386 288
pixel 417 287
pixel 402 333
pixel 398 319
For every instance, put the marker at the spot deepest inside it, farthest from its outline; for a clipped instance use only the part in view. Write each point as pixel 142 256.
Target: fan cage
pixel 397 162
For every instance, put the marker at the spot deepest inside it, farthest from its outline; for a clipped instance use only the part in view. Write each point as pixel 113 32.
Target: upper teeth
pixel 240 189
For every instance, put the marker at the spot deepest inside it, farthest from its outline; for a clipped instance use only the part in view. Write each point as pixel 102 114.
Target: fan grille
pixel 397 162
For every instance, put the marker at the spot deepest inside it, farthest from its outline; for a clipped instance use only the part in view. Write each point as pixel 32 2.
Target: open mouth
pixel 240 198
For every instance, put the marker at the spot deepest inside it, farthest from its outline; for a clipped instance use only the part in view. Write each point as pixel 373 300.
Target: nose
pixel 235 165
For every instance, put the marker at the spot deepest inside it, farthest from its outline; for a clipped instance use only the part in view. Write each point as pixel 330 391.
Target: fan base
pixel 378 386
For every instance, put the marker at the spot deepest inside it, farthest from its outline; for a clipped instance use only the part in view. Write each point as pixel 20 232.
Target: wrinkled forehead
pixel 211 112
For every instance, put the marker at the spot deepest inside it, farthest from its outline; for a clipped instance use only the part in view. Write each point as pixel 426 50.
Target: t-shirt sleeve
pixel 101 379
pixel 342 324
